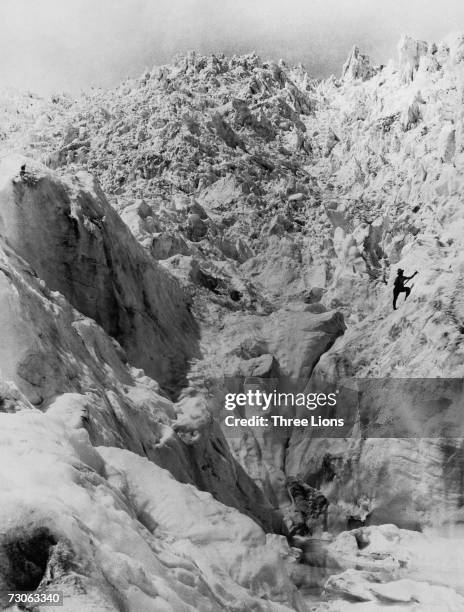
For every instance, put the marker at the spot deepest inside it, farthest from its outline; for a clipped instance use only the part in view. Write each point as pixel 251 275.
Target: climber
pixel 399 286
pixel 22 171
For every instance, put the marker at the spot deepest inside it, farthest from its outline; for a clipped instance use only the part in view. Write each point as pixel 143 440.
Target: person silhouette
pixel 399 286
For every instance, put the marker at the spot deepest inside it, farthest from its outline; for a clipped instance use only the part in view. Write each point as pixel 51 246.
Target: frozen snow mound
pixel 386 568
pixel 111 530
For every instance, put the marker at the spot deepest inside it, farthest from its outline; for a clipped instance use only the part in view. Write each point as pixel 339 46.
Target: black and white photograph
pixel 232 305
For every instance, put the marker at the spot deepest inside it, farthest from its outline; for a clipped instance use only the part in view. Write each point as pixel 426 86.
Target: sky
pixel 48 46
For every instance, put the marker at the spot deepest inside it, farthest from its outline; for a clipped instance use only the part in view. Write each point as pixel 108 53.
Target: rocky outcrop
pixel 308 509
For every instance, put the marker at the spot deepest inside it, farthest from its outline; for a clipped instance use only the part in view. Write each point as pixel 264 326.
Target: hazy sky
pixel 52 45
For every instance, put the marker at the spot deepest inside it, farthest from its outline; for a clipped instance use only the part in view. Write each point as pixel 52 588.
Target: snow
pixel 144 211
pixel 133 533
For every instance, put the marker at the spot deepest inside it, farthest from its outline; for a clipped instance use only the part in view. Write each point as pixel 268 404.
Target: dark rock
pixel 235 295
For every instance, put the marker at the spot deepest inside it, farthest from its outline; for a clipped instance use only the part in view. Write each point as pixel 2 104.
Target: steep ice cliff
pixel 69 387
pixel 78 245
pixel 395 184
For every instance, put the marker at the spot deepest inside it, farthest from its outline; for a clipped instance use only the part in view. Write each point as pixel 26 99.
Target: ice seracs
pixel 264 214
pixel 410 52
pixel 357 66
